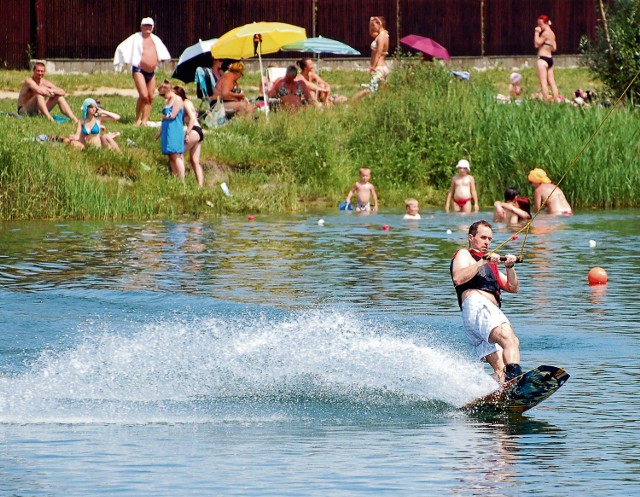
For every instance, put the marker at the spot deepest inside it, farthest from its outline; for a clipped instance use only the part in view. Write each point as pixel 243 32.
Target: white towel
pixel 130 51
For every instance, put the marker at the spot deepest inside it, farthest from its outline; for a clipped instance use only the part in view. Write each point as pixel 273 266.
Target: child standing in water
pixel 412 209
pixel 364 191
pixel 463 190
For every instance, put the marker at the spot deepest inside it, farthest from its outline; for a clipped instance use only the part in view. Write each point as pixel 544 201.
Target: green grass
pixel 411 134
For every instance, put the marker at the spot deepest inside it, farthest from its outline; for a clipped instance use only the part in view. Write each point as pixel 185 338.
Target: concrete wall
pixel 74 66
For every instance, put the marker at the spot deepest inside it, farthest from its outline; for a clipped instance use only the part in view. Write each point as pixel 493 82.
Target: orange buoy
pixel 597 276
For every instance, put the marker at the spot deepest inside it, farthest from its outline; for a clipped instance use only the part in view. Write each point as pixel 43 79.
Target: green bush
pixel 411 134
pixel 614 54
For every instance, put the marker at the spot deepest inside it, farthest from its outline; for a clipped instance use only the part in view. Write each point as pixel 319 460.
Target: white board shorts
pixel 480 316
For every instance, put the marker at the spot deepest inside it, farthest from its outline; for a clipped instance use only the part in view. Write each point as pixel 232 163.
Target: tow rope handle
pixel 503 258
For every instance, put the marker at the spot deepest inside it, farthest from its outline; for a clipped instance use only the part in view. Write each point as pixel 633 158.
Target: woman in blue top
pixel 89 130
pixel 172 130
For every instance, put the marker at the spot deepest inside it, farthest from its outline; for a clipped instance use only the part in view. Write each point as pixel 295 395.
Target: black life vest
pixel 487 279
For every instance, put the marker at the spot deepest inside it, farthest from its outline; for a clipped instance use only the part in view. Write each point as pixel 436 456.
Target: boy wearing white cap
pixel 143 51
pixel 463 190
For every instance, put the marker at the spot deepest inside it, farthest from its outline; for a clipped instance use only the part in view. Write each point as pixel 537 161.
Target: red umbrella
pixel 426 46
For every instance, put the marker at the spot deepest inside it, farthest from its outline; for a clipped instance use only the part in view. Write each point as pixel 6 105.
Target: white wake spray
pixel 172 370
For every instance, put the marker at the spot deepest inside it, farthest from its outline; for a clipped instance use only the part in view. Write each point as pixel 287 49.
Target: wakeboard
pixel 521 393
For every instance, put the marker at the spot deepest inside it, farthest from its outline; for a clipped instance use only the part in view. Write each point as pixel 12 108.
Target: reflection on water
pixel 291 261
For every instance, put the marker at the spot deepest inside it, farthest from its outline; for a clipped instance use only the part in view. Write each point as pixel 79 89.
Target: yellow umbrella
pixel 254 39
pixel 243 42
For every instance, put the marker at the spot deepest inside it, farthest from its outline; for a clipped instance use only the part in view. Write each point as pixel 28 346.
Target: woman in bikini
pixel 544 39
pixel 292 92
pixel 90 128
pixel 379 51
pixel 193 135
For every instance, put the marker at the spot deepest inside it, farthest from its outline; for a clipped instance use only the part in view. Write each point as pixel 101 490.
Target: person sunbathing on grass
pixel 90 128
pixel 292 93
pixel 229 92
pixel 39 96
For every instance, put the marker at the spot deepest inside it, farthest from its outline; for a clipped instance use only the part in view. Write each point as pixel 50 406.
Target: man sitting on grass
pixel 39 96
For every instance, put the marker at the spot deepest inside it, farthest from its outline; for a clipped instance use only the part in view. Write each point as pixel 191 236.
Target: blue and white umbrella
pixel 198 55
pixel 320 45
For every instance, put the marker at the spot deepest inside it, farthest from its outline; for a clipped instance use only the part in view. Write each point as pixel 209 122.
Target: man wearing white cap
pixel 463 190
pixel 142 51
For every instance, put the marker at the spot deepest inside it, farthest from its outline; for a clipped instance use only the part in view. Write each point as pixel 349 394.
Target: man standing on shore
pixel 143 51
pixel 478 283
pixel 38 96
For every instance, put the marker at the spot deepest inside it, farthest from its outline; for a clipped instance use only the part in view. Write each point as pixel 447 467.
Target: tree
pixel 614 54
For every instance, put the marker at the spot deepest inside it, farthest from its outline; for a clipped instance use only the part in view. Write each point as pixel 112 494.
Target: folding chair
pixel 205 84
pixel 272 75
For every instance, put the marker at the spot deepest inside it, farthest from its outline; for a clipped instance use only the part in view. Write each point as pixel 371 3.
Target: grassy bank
pixel 411 134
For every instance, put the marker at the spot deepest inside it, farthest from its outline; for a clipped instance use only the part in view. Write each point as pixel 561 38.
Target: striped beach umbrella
pixel 320 45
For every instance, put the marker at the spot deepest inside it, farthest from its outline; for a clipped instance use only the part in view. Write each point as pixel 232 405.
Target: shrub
pixel 614 55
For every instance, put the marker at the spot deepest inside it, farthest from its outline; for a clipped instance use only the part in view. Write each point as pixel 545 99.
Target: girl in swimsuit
pixel 89 130
pixel 544 39
pixel 171 130
pixel 462 190
pixel 193 135
pixel 379 51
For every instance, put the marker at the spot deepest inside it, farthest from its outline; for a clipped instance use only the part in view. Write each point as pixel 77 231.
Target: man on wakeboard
pixel 478 283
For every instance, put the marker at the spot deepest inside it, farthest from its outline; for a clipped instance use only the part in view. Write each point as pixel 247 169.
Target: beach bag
pixel 216 115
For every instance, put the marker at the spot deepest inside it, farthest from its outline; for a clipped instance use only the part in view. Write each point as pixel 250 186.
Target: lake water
pixel 280 357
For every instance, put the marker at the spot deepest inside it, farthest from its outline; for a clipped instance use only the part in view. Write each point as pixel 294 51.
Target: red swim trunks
pixel 462 201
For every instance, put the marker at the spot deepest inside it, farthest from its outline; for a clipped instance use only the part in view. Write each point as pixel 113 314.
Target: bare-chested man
pixel 462 190
pixel 142 51
pixel 478 283
pixel 39 96
pixel 546 192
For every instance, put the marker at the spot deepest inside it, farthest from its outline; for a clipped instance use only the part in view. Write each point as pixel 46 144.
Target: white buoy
pixel 592 243
pixel 449 232
pixel 320 222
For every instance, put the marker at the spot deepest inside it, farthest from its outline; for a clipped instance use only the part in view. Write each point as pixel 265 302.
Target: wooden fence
pixel 78 29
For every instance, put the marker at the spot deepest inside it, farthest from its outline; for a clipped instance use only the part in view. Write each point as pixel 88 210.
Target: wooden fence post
pixel 40 35
pixel 482 28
